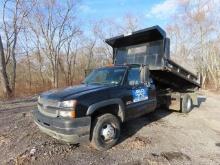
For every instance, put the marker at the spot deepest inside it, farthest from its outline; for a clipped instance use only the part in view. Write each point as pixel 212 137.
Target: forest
pixel 45 44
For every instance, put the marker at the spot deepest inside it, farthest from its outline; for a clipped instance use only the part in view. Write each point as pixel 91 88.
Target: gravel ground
pixel 162 137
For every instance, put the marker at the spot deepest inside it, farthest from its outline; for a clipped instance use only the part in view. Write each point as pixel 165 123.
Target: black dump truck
pixel 142 78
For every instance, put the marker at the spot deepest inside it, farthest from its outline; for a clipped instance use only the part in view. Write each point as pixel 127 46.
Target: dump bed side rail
pixel 182 72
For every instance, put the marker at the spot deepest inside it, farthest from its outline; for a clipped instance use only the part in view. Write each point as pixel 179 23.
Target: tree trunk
pixel 14 63
pixel 3 74
pixel 29 70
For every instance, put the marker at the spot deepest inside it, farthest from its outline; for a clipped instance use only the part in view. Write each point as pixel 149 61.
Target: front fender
pixel 92 108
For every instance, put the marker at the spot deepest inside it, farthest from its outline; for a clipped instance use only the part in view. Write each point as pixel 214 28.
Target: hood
pixel 61 94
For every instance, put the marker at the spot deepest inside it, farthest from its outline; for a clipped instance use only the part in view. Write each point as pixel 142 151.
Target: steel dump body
pixel 151 47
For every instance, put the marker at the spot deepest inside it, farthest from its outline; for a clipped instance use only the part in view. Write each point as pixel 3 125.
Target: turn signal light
pixel 73 114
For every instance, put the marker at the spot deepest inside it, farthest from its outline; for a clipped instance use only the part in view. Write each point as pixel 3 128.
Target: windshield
pixel 107 76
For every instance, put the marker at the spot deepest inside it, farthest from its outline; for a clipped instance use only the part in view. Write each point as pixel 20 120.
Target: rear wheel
pixel 105 132
pixel 186 105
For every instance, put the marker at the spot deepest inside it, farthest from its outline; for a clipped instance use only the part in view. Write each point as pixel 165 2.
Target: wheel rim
pixel 108 132
pixel 188 106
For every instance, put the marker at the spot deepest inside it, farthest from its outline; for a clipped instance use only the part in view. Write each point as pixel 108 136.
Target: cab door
pixel 139 99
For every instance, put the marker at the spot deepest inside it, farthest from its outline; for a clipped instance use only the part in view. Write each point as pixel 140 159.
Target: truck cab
pixel 95 109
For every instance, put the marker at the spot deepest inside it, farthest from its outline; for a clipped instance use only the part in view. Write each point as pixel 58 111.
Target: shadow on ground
pixel 217 144
pixel 130 127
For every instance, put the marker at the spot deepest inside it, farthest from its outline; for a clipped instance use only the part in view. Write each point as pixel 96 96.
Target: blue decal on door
pixel 140 94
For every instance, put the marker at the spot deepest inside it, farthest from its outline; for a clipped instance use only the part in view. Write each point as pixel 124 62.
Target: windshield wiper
pixel 94 83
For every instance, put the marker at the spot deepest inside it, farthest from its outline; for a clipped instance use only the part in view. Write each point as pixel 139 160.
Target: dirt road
pixel 162 137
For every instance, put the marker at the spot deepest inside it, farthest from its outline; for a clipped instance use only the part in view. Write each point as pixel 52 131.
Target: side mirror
pixel 145 74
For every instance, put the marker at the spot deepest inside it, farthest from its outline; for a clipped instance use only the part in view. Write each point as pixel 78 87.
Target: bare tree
pixel 3 74
pixel 71 51
pixel 56 26
pixel 193 34
pixel 13 14
pixel 107 28
pixel 130 23
pixel 90 52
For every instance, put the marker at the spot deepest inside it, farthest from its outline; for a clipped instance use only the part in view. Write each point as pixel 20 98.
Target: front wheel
pixel 105 132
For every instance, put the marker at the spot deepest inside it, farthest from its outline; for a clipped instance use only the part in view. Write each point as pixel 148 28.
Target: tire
pixel 186 105
pixel 103 137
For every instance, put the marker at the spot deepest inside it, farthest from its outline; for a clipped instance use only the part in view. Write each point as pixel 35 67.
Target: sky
pixel 150 12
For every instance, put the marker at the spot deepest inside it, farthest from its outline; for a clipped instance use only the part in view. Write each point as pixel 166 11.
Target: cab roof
pixel 153 33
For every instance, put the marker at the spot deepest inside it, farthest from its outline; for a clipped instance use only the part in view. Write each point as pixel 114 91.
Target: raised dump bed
pixel 151 47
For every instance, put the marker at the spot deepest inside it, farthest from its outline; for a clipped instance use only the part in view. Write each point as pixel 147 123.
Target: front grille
pixel 48 107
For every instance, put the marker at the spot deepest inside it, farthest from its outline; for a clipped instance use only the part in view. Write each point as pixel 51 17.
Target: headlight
pixel 68 104
pixel 71 114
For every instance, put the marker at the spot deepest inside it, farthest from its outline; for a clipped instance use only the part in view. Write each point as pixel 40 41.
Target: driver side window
pixel 134 77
